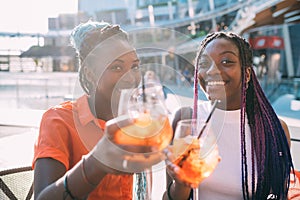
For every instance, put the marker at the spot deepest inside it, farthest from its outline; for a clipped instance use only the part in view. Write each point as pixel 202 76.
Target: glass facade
pixel 295 41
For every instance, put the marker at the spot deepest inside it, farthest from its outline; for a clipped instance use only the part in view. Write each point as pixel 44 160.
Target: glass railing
pixel 35 90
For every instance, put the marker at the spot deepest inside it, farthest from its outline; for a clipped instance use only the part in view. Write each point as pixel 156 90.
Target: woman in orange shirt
pixel 66 165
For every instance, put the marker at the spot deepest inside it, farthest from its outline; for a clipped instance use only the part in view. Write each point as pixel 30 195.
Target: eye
pixel 116 68
pixel 203 64
pixel 226 61
pixel 135 67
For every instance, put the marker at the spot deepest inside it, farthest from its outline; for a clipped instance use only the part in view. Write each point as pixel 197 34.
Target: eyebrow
pixel 231 52
pixel 122 61
pixel 222 53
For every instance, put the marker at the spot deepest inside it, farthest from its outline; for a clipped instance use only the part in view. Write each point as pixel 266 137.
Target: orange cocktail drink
pixel 195 166
pixel 151 133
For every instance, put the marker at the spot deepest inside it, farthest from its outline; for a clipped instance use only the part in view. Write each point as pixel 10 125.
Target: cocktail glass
pixel 151 127
pixel 142 141
pixel 150 133
pixel 196 157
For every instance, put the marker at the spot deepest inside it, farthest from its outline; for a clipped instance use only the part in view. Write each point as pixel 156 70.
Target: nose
pixel 130 78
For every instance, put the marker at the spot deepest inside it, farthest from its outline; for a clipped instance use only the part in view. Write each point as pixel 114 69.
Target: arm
pixel 286 131
pixel 49 177
pixel 46 171
pixel 50 174
pixel 182 113
pixel 174 188
pixel 50 169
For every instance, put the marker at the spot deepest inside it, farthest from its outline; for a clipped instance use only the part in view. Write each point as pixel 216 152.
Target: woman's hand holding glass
pixel 135 140
pixel 119 157
pixel 192 159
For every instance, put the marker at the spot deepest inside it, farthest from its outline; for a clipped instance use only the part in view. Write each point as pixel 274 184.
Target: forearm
pixel 79 181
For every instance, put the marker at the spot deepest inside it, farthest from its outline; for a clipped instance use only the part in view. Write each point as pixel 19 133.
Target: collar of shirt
pixel 85 115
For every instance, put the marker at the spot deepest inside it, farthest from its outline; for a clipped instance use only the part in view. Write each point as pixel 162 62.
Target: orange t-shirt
pixel 69 131
pixel 294 189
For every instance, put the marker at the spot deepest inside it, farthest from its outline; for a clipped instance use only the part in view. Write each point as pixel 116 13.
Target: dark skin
pixel 48 178
pixel 220 76
pixel 122 73
pixel 178 189
pixel 49 173
pixel 220 71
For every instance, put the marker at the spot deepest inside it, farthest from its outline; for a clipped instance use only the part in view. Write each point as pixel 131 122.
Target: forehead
pixel 128 56
pixel 110 50
pixel 221 46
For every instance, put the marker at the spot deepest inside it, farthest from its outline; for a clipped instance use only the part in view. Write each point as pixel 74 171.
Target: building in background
pixel 191 18
pixel 175 15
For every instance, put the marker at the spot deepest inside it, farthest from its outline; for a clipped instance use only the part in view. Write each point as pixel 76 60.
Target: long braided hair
pixel 85 37
pixel 269 146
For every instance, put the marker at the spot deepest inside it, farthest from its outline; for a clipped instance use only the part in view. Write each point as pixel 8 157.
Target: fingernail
pixel 176 169
pixel 165 151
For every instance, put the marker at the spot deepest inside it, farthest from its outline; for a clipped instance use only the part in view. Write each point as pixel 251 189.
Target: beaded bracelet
pixel 168 191
pixel 67 191
pixel 84 174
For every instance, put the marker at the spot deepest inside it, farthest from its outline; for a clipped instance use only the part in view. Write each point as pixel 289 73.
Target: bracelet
pixel 169 188
pixel 67 191
pixel 84 174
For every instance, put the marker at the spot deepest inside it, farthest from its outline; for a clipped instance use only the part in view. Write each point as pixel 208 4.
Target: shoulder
pixel 66 106
pixel 286 130
pixel 61 112
pixel 181 113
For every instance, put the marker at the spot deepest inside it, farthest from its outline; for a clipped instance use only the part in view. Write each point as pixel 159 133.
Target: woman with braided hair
pixel 253 142
pixel 72 157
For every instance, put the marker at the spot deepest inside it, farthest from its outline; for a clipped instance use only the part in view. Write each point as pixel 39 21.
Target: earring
pixel 247 85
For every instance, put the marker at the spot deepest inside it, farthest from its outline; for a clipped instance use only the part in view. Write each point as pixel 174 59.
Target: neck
pixel 226 106
pixel 101 110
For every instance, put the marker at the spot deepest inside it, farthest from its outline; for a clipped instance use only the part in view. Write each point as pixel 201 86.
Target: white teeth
pixel 213 83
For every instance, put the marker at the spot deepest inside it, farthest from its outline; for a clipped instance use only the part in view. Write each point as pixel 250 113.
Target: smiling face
pixel 122 73
pixel 219 72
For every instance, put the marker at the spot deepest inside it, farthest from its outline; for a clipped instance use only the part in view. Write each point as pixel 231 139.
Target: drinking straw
pixel 143 89
pixel 208 118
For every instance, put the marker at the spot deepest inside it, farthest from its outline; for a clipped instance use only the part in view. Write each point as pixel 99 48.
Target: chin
pixel 216 97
